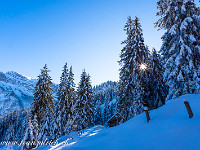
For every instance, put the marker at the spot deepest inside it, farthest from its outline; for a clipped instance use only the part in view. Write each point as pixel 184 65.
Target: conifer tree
pixel 98 114
pixel 56 124
pixel 29 138
pixel 24 124
pixel 71 88
pixel 159 89
pixel 10 133
pixel 46 130
pixel 181 46
pixel 43 105
pixel 107 111
pixel 43 96
pixel 112 109
pixel 36 130
pixel 62 111
pixel 83 110
pixel 71 99
pixel 134 53
pixel 66 98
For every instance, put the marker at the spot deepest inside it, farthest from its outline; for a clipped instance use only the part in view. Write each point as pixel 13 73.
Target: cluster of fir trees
pixel 73 110
pixel 13 125
pixel 139 87
pixel 173 73
pixel 105 96
pixel 105 90
pixel 181 45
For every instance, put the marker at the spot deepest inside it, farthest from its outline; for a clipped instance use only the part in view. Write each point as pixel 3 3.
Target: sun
pixel 143 66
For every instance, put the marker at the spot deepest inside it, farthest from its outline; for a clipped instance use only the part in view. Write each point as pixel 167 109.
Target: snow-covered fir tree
pixel 46 128
pixel 181 46
pixel 29 138
pixel 143 77
pixel 13 126
pixel 105 90
pixel 71 99
pixel 98 113
pixel 107 111
pixel 62 111
pixel 43 96
pixel 112 109
pixel 66 98
pixel 10 133
pixel 159 89
pixel 55 125
pixel 133 55
pixel 23 120
pixel 36 130
pixel 83 109
pixel 43 104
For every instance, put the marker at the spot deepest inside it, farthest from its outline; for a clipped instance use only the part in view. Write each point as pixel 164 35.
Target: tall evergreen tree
pixel 66 98
pixel 43 104
pixel 43 96
pixel 71 99
pixel 62 111
pixel 134 54
pixel 181 45
pixel 83 109
pixel 159 89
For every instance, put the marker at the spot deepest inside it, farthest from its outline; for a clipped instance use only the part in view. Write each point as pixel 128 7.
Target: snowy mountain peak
pixel 16 91
pixel 17 75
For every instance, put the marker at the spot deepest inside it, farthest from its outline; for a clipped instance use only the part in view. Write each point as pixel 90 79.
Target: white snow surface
pixel 169 129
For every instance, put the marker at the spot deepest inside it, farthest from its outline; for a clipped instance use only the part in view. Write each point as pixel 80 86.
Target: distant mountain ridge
pixel 16 91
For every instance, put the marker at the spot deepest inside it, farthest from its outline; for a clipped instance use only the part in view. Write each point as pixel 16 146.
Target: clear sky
pixel 86 34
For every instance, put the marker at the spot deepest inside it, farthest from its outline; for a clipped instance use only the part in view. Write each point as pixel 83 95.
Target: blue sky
pixel 86 34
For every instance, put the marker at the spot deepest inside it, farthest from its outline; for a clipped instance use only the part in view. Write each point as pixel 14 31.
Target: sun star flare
pixel 143 66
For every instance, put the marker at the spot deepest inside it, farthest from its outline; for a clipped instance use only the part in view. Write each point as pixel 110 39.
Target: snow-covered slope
pixel 16 91
pixel 169 129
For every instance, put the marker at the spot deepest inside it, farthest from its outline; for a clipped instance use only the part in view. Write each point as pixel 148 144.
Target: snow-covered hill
pixel 169 129
pixel 16 91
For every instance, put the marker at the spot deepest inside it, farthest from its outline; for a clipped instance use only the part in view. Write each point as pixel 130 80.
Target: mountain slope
pixel 16 91
pixel 169 128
